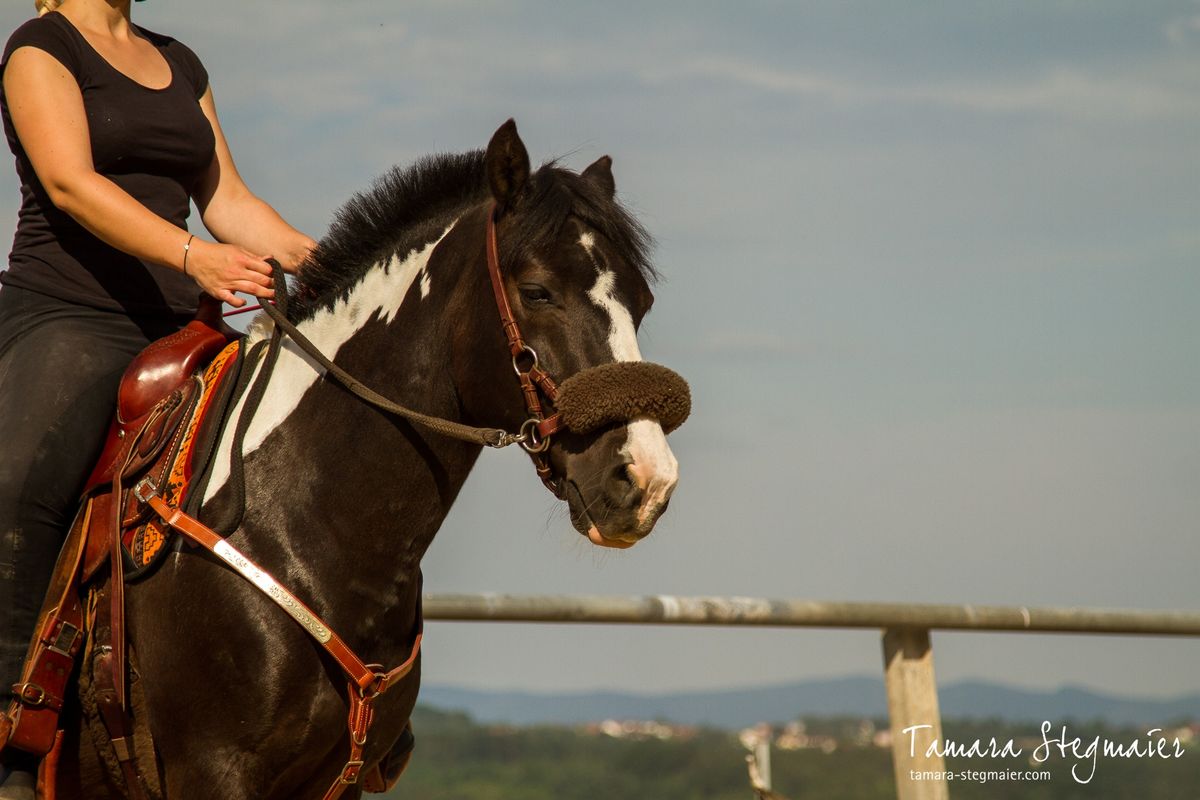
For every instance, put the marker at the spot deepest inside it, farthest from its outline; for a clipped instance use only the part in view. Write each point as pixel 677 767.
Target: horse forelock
pixel 557 195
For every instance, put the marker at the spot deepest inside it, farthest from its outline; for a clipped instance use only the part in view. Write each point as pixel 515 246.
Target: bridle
pixel 535 433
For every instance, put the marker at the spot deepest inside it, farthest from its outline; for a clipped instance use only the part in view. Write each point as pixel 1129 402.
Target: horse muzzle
pixel 617 505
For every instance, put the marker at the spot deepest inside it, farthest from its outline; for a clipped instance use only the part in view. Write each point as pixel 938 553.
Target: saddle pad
pixel 145 542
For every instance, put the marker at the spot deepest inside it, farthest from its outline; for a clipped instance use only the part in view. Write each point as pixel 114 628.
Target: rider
pixel 115 132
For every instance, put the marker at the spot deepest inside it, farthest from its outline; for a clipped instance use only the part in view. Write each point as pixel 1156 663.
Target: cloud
pixel 1183 30
pixel 1060 91
pixel 1067 92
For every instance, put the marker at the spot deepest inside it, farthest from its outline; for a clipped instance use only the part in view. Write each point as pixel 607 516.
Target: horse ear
pixel 600 173
pixel 507 163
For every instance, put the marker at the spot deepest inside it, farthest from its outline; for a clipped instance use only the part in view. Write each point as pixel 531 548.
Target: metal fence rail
pixel 671 610
pixel 907 648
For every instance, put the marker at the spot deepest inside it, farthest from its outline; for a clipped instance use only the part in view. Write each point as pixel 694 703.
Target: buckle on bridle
pixel 350 772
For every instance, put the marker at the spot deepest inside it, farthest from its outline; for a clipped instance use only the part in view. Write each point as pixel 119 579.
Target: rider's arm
pixel 49 117
pixel 234 214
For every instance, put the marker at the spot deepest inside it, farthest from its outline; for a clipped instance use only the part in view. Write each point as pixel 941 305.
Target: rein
pixel 489 437
pixel 535 432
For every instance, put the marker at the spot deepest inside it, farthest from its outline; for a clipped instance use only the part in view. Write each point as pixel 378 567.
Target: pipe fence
pixel 907 649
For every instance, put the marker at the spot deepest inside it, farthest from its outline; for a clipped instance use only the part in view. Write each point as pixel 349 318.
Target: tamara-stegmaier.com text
pixel 1085 753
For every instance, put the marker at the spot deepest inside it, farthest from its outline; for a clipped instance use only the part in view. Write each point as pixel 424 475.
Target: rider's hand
pixel 222 269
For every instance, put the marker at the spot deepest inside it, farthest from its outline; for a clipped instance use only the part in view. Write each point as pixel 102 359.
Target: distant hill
pixel 836 697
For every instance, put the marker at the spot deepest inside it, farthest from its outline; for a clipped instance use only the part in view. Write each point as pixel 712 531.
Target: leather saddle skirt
pixel 170 409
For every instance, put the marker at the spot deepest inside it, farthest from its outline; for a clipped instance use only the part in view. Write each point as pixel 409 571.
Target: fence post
pixel 913 705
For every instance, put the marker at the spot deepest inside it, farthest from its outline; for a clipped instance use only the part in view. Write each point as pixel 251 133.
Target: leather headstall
pixel 536 383
pixel 537 430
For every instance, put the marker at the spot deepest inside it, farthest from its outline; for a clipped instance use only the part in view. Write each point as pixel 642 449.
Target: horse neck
pixel 363 493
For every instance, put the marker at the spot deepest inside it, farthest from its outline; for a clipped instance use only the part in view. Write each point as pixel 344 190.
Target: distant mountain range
pixel 863 697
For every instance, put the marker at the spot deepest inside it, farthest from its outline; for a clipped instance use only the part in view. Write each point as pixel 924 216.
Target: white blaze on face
pixel 380 294
pixel 653 466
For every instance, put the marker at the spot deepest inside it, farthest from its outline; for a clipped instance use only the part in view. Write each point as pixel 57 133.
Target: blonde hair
pixel 43 6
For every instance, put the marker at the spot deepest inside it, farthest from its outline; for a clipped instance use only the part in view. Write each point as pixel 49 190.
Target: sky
pixel 932 269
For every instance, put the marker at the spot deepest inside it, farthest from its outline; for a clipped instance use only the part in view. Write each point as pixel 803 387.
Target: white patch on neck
pixel 380 293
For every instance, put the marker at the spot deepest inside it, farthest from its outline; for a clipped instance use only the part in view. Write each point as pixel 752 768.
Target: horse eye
pixel 532 293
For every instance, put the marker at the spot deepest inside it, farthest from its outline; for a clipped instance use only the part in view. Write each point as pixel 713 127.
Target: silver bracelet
pixel 187 248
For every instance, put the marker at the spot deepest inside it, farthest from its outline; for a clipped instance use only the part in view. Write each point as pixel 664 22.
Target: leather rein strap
pixel 537 428
pixel 536 383
pixel 489 437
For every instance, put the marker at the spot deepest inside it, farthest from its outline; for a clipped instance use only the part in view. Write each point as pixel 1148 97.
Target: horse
pixel 339 501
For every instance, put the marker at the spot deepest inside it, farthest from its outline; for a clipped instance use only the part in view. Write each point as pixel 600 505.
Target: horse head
pixel 506 298
pixel 577 278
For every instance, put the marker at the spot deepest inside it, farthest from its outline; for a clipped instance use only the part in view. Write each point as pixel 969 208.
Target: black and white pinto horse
pixel 341 501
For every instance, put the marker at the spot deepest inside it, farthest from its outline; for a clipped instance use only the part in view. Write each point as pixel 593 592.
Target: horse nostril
pixel 623 486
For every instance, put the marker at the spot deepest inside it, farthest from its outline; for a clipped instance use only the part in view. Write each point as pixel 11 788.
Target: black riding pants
pixel 60 364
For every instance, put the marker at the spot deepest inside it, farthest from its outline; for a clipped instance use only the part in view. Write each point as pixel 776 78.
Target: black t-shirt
pixel 153 143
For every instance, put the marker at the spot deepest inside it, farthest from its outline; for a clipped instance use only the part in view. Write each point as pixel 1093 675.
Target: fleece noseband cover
pixel 623 391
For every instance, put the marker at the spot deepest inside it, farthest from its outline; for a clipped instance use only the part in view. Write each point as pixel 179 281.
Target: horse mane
pixel 397 214
pixel 408 207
